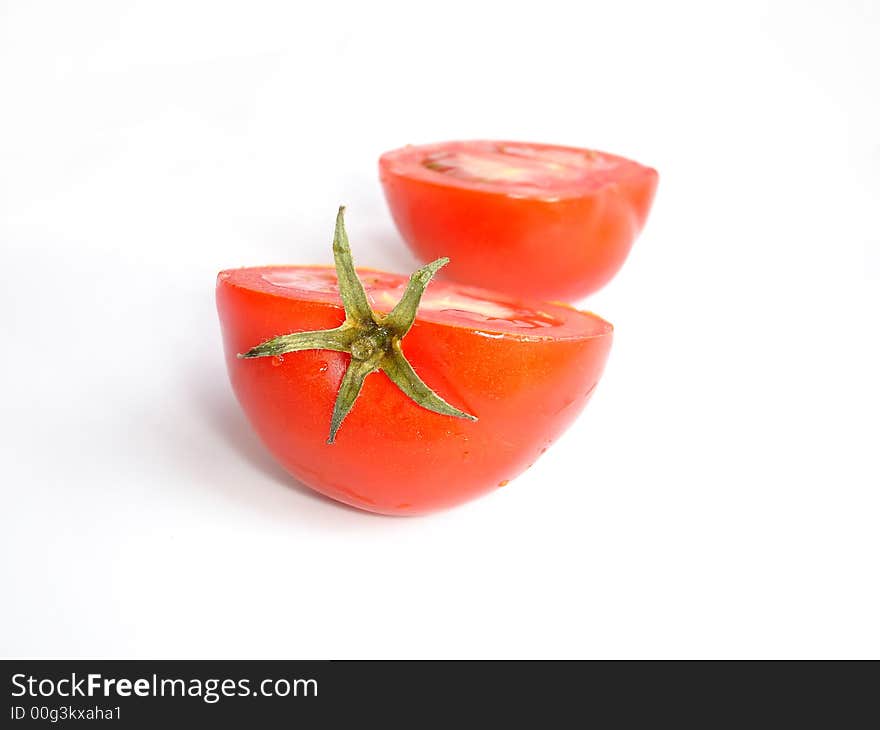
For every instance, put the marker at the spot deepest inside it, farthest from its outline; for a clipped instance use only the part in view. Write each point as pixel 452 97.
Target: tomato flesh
pixel 540 221
pixel 525 168
pixel 524 369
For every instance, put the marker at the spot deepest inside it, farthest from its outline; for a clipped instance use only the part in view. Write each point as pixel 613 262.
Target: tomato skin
pixel 391 456
pixel 547 247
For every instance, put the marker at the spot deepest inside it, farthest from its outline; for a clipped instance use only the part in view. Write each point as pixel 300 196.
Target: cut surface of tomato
pixel 536 220
pixel 446 303
pixel 524 370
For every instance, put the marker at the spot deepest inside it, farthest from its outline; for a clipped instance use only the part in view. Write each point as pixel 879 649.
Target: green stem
pixel 373 340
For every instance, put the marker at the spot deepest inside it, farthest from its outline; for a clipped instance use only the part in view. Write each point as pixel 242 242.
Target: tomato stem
pixel 373 340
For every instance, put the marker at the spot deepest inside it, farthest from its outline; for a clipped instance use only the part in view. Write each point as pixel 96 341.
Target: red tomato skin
pixel 543 248
pixel 391 456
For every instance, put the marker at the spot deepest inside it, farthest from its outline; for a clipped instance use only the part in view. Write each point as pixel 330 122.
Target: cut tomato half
pixel 523 370
pixel 535 220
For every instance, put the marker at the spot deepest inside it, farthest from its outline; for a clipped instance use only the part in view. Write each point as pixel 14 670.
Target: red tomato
pixel 525 371
pixel 540 221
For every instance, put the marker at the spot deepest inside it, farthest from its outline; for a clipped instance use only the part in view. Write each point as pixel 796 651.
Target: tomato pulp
pixel 535 220
pixel 524 370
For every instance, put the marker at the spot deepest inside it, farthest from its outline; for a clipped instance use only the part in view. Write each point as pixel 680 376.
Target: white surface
pixel 718 498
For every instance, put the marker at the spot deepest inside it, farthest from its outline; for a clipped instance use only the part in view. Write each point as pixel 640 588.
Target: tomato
pixel 535 220
pixel 508 378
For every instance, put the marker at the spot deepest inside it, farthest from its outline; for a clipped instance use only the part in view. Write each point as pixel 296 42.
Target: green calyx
pixel 373 340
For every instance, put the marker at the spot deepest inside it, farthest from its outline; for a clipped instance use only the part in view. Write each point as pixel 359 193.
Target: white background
pixel 719 496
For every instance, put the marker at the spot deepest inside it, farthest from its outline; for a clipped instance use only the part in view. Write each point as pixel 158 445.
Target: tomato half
pixel 524 370
pixel 541 221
